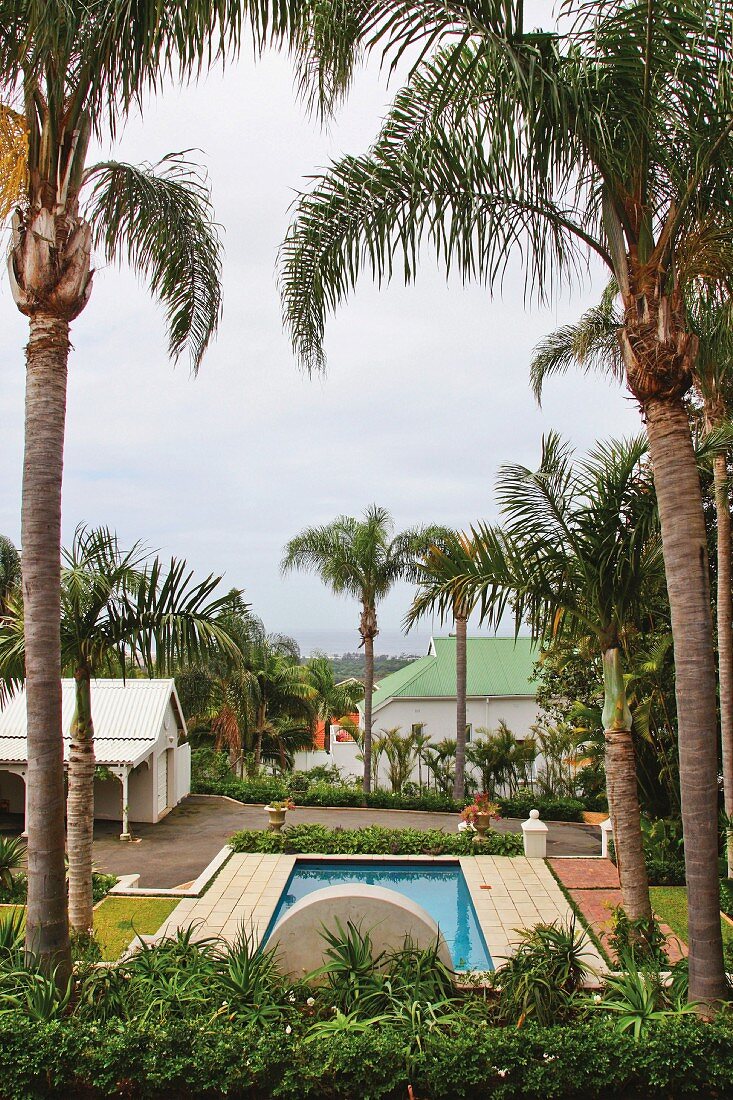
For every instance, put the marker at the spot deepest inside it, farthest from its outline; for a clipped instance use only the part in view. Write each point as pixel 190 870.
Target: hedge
pixel 327 794
pixel 74 1060
pixel 375 840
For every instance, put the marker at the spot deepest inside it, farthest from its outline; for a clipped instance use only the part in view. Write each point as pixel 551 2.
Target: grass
pixel 118 920
pixel 115 917
pixel 670 905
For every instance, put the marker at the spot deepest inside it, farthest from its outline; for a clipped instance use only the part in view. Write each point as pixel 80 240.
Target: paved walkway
pixel 594 887
pixel 507 893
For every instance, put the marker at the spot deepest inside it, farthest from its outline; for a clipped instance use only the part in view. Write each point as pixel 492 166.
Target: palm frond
pixel 13 159
pixel 591 344
pixel 160 219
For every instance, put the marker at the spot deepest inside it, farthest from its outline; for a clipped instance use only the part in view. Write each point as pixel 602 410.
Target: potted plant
pixel 480 814
pixel 277 811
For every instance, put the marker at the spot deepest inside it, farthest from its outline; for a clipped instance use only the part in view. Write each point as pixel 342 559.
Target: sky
pixel 425 397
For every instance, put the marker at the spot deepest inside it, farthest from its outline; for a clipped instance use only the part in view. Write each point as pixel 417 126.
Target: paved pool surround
pixel 508 893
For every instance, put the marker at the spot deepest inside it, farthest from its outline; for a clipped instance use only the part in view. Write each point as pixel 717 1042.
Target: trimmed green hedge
pixel 74 1060
pixel 375 840
pixel 327 794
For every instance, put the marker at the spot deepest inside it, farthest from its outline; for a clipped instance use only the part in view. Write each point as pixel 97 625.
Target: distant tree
pixel 362 559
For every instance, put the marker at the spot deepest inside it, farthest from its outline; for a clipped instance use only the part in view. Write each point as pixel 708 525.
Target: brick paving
pixel 594 888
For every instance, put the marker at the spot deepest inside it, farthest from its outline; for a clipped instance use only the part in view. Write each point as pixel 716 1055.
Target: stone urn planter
pixel 482 824
pixel 277 812
pixel 479 816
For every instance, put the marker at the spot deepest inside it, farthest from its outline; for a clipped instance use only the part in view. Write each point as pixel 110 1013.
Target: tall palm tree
pixel 116 609
pixel 332 700
pixel 579 557
pixel 609 137
pixel 74 72
pixel 592 345
pixel 448 558
pixel 363 559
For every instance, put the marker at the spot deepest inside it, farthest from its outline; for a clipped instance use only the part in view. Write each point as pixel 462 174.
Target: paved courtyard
pixel 179 847
pixel 507 894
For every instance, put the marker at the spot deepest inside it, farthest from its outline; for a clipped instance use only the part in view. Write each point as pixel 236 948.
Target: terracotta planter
pixel 482 823
pixel 277 819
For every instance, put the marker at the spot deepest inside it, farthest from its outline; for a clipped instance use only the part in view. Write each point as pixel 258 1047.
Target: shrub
pixel 374 840
pixel 679 1057
pixel 551 809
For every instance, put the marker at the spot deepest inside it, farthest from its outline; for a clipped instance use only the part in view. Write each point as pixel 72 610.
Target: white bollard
pixel 606 832
pixel 535 836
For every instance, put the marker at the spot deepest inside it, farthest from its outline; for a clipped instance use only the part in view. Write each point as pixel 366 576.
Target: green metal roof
pixel 495 666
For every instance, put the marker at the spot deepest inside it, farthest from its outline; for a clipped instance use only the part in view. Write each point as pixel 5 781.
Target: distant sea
pixel 389 643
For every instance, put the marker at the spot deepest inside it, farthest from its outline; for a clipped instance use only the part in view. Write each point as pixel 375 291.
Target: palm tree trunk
pixel 80 806
pixel 725 639
pixel 459 786
pixel 47 929
pixel 261 719
pixel 623 794
pixel 686 565
pixel 368 690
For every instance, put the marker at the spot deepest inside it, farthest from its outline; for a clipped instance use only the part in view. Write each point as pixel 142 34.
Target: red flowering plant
pixel 481 805
pixel 283 804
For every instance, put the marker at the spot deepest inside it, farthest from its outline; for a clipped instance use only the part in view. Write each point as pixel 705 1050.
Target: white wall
pixel 183 771
pixel 439 715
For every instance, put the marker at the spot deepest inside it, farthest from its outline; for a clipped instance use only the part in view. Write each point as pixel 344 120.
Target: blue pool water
pixel 439 888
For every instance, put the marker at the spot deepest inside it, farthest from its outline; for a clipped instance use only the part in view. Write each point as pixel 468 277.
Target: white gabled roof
pixel 127 714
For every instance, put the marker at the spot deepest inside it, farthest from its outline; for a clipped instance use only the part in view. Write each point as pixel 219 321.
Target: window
pixel 417 728
pixel 469 733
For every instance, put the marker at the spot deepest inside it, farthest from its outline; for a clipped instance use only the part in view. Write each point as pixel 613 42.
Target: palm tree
pixel 217 694
pixel 610 137
pixel 332 701
pixel 280 688
pixel 78 70
pixel 401 752
pixel 9 571
pixel 446 559
pixel 362 559
pixel 592 345
pixel 116 610
pixel 440 759
pixel 580 557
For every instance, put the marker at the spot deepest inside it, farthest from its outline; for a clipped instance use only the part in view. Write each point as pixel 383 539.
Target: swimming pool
pixel 440 888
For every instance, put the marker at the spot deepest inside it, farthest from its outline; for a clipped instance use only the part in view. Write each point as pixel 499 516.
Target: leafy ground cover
pixel 375 840
pixel 117 920
pixel 670 905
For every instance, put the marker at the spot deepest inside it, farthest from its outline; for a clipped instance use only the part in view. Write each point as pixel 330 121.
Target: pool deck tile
pixel 246 891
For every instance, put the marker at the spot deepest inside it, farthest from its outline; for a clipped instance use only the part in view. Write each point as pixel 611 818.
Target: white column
pixel 125 834
pixel 535 836
pixel 606 832
pixel 25 807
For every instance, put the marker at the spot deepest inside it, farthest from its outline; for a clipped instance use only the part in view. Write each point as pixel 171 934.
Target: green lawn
pixel 670 905
pixel 115 917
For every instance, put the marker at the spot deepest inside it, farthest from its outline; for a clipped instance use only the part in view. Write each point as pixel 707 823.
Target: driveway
pixel 179 847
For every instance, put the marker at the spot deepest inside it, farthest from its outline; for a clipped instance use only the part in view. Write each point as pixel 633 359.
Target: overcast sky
pixel 426 393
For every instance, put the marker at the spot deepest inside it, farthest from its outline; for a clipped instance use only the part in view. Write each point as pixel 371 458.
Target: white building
pixel 423 693
pixel 140 744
